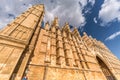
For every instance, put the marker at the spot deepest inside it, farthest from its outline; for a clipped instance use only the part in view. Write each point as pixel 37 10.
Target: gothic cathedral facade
pixel 52 52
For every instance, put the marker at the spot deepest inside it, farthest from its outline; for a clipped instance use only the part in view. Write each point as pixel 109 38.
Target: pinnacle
pixel 75 31
pixel 66 27
pixel 47 25
pixel 55 22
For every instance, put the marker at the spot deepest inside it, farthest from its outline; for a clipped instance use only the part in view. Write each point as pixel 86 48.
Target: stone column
pixel 60 50
pixel 53 45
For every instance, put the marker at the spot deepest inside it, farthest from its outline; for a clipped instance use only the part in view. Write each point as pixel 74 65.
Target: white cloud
pixel 66 10
pixel 92 2
pixel 13 7
pixel 113 36
pixel 110 11
pixel 95 20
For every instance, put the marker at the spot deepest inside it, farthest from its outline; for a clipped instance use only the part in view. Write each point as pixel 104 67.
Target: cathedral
pixel 52 52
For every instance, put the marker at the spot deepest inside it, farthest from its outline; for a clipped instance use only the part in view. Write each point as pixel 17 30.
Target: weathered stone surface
pixel 66 74
pixel 36 73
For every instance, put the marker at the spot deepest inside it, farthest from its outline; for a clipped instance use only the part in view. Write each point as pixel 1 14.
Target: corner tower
pixel 17 43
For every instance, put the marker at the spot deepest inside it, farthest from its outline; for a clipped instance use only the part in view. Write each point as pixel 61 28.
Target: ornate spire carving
pixel 67 28
pixel 55 22
pixel 47 26
pixel 76 32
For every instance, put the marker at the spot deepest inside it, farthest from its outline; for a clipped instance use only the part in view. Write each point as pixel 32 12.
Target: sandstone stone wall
pixel 52 52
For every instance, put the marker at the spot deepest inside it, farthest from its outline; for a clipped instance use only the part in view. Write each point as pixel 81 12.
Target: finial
pixel 66 27
pixel 84 33
pixel 90 36
pixel 55 22
pixel 66 23
pixel 75 31
pixel 47 26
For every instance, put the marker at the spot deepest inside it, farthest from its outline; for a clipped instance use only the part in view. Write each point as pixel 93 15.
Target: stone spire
pixel 67 30
pixel 19 38
pixel 66 27
pixel 55 22
pixel 47 26
pixel 76 32
pixel 55 25
pixel 85 34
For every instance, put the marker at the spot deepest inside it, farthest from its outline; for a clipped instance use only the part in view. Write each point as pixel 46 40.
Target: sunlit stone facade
pixel 52 52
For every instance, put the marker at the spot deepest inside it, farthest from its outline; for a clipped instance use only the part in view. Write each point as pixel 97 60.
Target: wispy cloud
pixel 10 9
pixel 92 2
pixel 66 10
pixel 110 11
pixel 95 20
pixel 113 36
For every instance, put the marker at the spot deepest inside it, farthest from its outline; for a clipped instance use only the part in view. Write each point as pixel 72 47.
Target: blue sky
pixel 98 18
